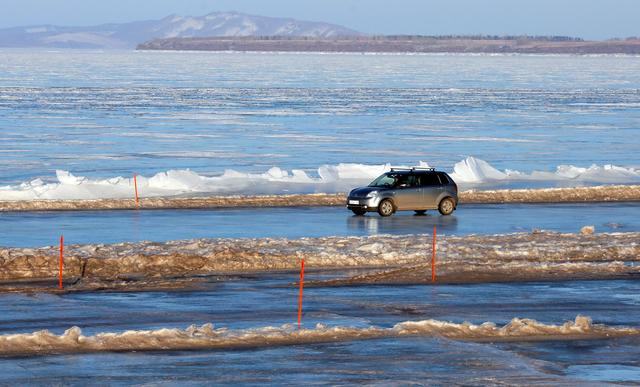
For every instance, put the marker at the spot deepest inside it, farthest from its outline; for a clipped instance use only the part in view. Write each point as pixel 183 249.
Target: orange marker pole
pixel 135 186
pixel 433 257
pixel 61 258
pixel 301 289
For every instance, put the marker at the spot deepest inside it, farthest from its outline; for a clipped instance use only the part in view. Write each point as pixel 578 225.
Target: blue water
pixel 102 114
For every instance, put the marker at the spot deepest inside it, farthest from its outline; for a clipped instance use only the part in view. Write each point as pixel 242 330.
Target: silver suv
pixel 417 189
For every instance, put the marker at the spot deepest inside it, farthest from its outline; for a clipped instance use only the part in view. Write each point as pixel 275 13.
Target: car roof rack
pixel 393 169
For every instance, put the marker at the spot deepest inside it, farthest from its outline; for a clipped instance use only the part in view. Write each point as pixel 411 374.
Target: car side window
pixel 443 178
pixel 429 180
pixel 407 181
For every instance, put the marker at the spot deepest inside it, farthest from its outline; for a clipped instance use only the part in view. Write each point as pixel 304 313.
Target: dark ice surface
pixel 264 301
pixel 44 228
pixel 259 301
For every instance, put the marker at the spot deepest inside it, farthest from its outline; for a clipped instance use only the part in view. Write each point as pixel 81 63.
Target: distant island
pixel 400 44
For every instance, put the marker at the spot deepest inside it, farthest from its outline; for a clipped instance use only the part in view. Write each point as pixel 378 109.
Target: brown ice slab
pixel 207 337
pixel 612 193
pixel 306 200
pixel 400 259
pixel 606 193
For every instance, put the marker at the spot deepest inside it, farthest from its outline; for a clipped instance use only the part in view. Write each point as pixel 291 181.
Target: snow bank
pixel 476 171
pixel 207 337
pixel 327 179
pixel 330 178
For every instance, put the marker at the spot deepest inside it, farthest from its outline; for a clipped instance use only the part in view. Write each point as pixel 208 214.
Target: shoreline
pixel 596 194
pixel 398 44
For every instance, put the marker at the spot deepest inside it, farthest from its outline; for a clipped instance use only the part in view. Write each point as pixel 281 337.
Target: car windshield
pixel 385 180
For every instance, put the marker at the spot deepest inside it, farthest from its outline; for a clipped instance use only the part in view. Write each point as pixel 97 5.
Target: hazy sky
pixel 594 19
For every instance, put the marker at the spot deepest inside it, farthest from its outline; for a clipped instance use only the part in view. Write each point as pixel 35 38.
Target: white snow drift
pixel 470 172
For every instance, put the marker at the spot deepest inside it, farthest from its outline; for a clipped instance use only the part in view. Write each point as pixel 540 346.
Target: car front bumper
pixel 367 204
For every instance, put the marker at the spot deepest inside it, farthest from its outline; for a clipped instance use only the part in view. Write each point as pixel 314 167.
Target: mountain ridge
pixel 130 34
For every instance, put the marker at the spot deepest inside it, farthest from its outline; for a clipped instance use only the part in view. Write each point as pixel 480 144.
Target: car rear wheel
pixel 446 206
pixel 385 208
pixel 359 212
pixel 420 212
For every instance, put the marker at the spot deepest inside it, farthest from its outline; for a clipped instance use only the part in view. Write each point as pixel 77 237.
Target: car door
pixel 407 193
pixel 431 188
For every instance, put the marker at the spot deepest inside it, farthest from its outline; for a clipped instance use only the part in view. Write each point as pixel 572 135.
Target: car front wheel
pixel 446 206
pixel 359 212
pixel 385 208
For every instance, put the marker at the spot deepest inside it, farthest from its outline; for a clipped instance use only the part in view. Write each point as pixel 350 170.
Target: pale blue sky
pixel 594 19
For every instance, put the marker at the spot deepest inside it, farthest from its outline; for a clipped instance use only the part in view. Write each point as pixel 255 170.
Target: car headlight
pixel 372 194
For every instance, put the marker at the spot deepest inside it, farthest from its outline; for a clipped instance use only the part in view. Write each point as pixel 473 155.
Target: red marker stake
pixel 61 258
pixel 301 288
pixel 135 186
pixel 433 257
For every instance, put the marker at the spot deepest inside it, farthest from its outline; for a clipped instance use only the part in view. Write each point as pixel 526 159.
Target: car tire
pixel 446 206
pixel 385 208
pixel 359 212
pixel 420 212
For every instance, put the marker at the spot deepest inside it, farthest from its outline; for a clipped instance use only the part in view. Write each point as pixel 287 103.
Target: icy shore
pixel 402 259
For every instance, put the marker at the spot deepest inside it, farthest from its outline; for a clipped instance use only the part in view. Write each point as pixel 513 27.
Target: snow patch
pixel 287 29
pixel 189 24
pixel 36 30
pixel 91 38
